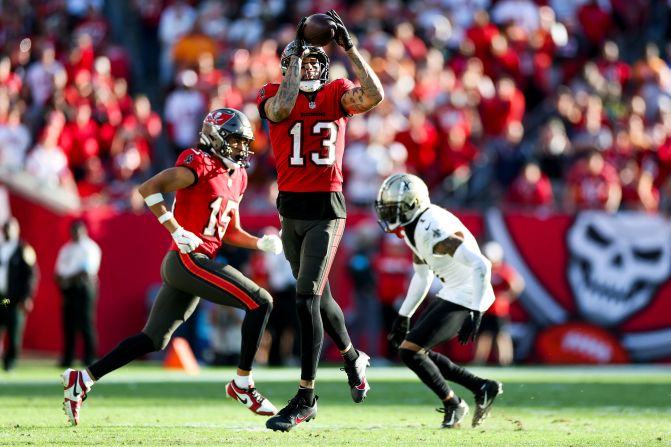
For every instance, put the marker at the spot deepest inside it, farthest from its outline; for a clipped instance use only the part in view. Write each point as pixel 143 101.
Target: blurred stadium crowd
pixel 542 104
pixel 538 105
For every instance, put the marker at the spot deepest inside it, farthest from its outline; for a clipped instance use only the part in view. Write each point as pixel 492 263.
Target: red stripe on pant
pixel 336 242
pixel 217 281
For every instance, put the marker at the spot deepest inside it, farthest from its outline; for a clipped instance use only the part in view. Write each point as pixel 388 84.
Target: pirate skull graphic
pixel 616 263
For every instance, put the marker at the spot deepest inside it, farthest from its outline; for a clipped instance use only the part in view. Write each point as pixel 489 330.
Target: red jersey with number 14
pixel 309 144
pixel 206 207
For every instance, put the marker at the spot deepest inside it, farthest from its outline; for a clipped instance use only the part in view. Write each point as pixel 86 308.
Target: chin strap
pixel 310 86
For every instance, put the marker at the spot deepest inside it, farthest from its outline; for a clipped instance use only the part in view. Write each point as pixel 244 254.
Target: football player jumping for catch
pixel 307 115
pixel 444 248
pixel 208 182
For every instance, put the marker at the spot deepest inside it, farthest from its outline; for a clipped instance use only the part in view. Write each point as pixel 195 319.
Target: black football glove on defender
pixel 342 36
pixel 399 330
pixel 469 330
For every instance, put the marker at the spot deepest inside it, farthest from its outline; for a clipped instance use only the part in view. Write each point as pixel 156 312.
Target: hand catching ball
pixel 319 30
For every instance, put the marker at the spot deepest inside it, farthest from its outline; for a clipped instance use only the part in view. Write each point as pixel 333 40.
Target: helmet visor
pixel 388 215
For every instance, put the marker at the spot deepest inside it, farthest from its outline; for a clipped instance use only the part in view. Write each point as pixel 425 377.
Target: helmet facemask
pixel 218 128
pixel 402 197
pixel 315 82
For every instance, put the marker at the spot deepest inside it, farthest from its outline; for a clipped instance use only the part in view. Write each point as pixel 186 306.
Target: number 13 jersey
pixel 206 207
pixel 308 145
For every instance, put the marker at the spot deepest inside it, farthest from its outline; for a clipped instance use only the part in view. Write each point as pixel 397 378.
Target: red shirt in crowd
pixel 591 190
pixel 503 278
pixel 526 193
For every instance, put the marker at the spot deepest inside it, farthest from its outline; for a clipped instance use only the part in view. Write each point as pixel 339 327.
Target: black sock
pixel 125 352
pixel 455 373
pixel 452 401
pixel 350 356
pixel 307 395
pixel 252 330
pixel 426 370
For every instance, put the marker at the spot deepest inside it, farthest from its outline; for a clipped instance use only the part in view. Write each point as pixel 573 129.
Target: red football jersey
pixel 206 207
pixel 308 145
pixel 503 277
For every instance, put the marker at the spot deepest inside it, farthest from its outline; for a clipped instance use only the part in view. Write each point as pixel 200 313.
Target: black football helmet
pixel 218 125
pixel 308 85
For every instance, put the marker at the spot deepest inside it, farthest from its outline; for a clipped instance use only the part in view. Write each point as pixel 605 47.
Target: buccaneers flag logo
pixel 218 117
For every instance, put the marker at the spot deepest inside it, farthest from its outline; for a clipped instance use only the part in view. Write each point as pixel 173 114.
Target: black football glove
pixel 399 330
pixel 342 36
pixel 469 330
pixel 299 29
pixel 300 49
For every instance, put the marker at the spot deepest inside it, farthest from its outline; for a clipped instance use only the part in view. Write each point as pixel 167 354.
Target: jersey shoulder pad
pixel 267 91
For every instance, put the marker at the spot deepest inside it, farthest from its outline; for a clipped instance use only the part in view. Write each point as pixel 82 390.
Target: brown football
pixel 319 29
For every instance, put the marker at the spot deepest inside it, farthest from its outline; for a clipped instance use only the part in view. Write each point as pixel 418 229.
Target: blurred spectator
pixel 47 162
pixel 531 189
pixel 639 192
pixel 454 161
pixel 283 320
pixel 421 140
pixel 592 184
pixel 494 329
pixel 44 76
pixel 176 21
pixel 18 282
pixel 15 139
pixel 8 79
pixel 596 25
pixel 393 267
pixel 226 336
pixel 188 49
pixel 76 272
pixel 184 111
pixel 523 13
pixel 366 325
pixel 82 133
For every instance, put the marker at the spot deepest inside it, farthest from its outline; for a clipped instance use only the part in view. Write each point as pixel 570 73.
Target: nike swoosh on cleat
pixel 485 402
pixel 362 385
pixel 242 399
pixel 451 421
pixel 301 419
pixel 74 391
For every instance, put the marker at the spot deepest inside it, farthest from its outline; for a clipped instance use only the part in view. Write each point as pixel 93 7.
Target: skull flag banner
pixel 598 285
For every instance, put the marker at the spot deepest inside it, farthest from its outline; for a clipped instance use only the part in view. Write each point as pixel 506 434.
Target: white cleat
pixel 74 393
pixel 251 398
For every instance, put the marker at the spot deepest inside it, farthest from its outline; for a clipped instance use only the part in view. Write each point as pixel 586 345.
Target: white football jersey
pixel 457 279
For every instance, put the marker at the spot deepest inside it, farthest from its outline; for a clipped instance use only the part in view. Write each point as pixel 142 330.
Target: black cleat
pixel 293 414
pixel 454 414
pixel 484 399
pixel 356 377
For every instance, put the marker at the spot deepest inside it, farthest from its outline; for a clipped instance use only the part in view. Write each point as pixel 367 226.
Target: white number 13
pixel 328 142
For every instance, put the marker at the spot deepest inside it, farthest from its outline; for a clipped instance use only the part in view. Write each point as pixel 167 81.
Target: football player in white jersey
pixel 444 248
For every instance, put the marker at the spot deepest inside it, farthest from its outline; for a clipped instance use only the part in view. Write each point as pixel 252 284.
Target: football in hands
pixel 319 30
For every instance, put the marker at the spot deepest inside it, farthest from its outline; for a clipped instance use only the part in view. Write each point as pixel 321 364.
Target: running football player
pixel 208 182
pixel 307 115
pixel 442 248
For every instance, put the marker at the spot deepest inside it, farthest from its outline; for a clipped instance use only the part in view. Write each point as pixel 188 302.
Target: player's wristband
pixel 153 199
pixel 163 218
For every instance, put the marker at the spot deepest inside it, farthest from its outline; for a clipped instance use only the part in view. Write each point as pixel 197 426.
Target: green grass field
pixel 145 405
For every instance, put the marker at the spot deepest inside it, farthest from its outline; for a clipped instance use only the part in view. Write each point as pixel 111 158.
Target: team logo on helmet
pixel 218 117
